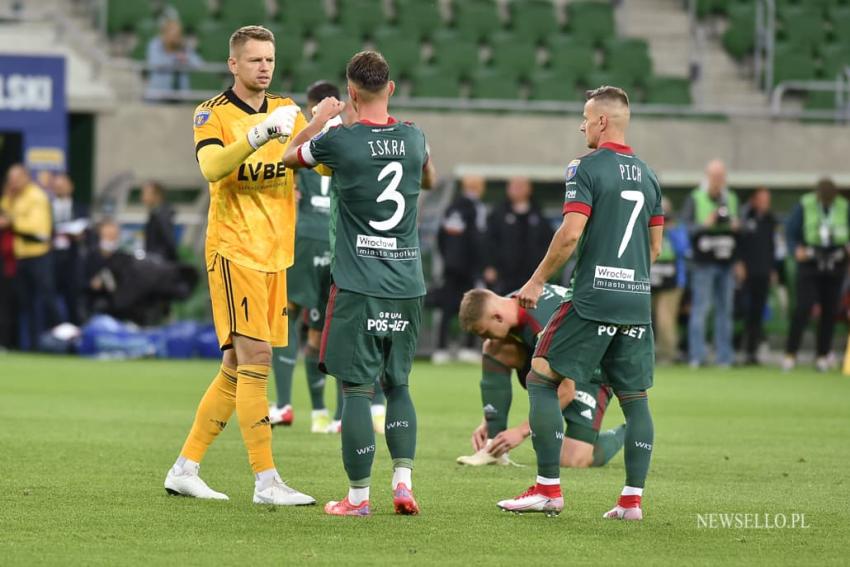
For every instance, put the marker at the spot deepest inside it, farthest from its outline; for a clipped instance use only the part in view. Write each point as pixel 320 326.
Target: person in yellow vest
pixel 818 233
pixel 711 214
pixel 25 209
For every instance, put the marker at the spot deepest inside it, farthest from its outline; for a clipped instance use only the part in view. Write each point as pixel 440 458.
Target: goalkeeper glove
pixel 279 123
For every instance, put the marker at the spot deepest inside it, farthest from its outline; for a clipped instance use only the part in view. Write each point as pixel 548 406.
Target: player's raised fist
pixel 328 108
pixel 279 123
pixel 529 294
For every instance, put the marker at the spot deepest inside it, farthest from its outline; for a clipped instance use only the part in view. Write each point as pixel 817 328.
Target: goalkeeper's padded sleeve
pixel 217 162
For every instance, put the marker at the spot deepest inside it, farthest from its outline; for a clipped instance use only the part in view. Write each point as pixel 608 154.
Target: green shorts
pixel 369 337
pixel 308 280
pixel 576 347
pixel 584 414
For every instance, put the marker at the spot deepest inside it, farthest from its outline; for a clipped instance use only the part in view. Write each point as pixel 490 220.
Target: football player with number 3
pixel 374 311
pixel 613 221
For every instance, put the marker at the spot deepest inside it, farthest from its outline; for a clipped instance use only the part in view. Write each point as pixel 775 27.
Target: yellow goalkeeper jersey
pixel 251 218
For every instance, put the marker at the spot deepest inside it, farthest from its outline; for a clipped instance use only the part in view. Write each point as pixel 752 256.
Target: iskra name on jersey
pixel 386 148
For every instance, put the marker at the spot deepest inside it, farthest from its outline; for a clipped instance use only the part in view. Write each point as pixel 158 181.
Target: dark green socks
pixel 547 424
pixel 495 395
pixel 358 437
pixel 608 443
pixel 283 363
pixel 639 436
pixel 400 426
pixel 315 378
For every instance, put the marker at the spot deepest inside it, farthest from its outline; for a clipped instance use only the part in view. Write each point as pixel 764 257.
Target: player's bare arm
pixel 512 437
pixel 656 237
pixel 328 108
pixel 560 249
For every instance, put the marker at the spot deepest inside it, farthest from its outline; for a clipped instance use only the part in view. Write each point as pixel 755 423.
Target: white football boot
pixel 278 493
pixel 483 457
pixel 320 421
pixel 184 481
pixel 533 501
pixel 620 513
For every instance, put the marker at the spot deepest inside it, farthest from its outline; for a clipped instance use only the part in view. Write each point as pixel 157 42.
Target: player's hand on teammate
pixel 278 124
pixel 479 437
pixel 505 441
pixel 529 294
pixel 330 107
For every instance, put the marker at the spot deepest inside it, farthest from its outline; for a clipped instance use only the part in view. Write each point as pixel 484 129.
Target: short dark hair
pixel 368 70
pixel 241 36
pixel 826 184
pixel 320 90
pixel 608 93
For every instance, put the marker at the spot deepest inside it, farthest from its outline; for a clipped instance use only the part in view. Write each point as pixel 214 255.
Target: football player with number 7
pixel 613 222
pixel 374 311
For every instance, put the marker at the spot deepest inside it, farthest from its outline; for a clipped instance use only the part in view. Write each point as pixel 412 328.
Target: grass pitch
pixel 84 447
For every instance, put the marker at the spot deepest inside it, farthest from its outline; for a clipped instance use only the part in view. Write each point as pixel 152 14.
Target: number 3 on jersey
pixel 638 199
pixel 391 194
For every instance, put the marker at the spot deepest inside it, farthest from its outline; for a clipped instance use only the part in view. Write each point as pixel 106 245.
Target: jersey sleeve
pixel 207 128
pixel 657 216
pixel 579 189
pixel 319 150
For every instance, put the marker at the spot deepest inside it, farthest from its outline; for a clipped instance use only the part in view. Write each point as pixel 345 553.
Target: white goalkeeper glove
pixel 278 124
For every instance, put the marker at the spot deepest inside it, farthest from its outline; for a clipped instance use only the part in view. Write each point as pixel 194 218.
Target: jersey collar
pixel 390 122
pixel 244 106
pixel 619 148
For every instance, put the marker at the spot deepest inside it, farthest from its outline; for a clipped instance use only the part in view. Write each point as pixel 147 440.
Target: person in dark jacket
pixel 159 229
pixel 756 262
pixel 460 241
pixel 69 222
pixel 818 234
pixel 517 238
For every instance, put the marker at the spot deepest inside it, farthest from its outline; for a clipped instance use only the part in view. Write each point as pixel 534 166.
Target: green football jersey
pixel 377 174
pixel 621 197
pixel 314 205
pixel 532 321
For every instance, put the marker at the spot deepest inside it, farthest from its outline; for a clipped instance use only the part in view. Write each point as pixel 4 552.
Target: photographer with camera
pixel 711 215
pixel 818 231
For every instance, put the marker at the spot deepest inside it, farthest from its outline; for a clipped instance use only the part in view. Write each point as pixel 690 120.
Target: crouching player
pixel 510 334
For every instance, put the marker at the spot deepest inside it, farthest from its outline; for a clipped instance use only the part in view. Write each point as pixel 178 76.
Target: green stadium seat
pixel 191 12
pixel 739 37
pixel 236 13
pixel 455 53
pixel 308 72
pixel 200 81
pixel 711 7
pixel 668 90
pixel 571 56
pixel 839 18
pixel 791 64
pixel 213 41
pixel 289 46
pixel 835 58
pixel 489 83
pixel 301 16
pixel 802 26
pixel 512 55
pixel 629 57
pixel 476 19
pixel 432 82
pixel 123 16
pixel 820 100
pixel 361 17
pixel 334 47
pixel 145 31
pixel 591 21
pixel 402 53
pixel 534 19
pixel 548 85
pixel 418 18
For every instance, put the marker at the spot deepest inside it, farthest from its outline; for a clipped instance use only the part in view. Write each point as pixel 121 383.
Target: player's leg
pixel 700 303
pixel 379 408
pixel 320 420
pixel 260 322
pixel 283 365
pixel 218 402
pixel 629 366
pixel 829 297
pixel 584 445
pixel 806 298
pixel 351 354
pixel 724 295
pixel 499 359
pixel 401 428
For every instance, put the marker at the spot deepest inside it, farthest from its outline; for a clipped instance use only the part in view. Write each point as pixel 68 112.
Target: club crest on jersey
pixel 201 118
pixel 572 168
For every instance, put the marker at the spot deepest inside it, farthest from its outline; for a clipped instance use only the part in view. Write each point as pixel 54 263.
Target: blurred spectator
pixel 711 214
pixel 26 209
pixel 517 238
pixel 8 305
pixel 668 278
pixel 460 241
pixel 818 233
pixel 756 266
pixel 126 287
pixel 44 179
pixel 169 57
pixel 69 223
pixel 159 230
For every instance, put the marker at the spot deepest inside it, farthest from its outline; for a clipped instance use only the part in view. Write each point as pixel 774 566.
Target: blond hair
pixel 472 307
pixel 607 93
pixel 241 36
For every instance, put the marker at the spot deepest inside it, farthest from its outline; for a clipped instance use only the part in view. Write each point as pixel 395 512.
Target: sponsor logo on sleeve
pixel 572 168
pixel 201 117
